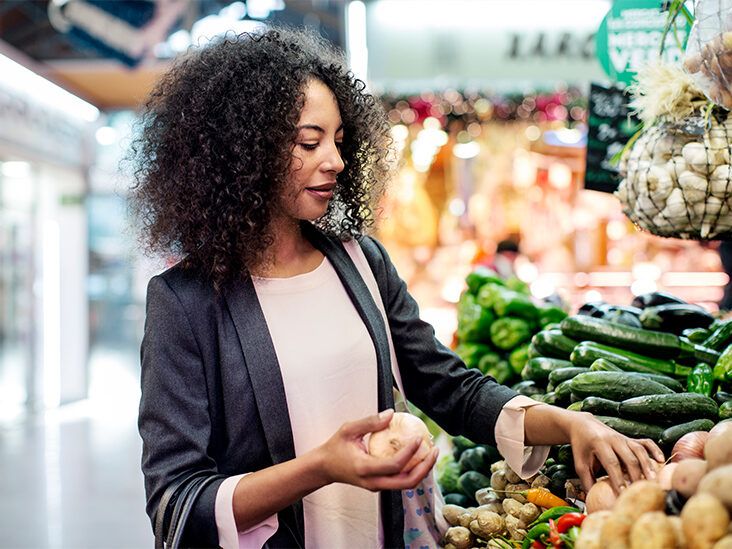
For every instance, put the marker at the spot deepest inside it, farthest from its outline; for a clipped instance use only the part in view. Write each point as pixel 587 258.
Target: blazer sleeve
pixel 174 420
pixel 460 400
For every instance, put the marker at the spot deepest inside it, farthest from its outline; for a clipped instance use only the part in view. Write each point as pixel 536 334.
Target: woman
pixel 265 356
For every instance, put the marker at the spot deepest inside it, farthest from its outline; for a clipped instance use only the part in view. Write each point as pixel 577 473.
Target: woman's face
pixel 316 158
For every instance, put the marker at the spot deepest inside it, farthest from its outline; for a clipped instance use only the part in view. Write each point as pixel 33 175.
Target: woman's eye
pixel 309 146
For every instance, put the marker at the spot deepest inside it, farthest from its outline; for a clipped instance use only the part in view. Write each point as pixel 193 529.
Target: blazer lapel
pixel 264 370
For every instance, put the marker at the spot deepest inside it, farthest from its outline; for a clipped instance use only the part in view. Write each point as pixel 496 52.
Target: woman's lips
pixel 322 192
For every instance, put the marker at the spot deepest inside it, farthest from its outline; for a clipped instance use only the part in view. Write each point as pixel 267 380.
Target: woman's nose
pixel 334 162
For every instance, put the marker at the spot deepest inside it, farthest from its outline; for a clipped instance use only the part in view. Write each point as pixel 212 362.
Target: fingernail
pixel 385 413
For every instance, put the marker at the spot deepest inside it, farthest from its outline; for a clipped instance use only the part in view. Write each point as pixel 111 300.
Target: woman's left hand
pixel 594 443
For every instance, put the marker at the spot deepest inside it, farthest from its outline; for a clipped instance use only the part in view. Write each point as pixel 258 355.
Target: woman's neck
pixel 290 254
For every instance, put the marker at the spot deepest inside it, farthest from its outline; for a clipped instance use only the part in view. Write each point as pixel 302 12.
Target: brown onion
pixel 691 445
pixel 601 496
pixel 402 429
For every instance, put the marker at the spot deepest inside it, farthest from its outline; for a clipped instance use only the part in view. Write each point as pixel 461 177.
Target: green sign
pixel 631 35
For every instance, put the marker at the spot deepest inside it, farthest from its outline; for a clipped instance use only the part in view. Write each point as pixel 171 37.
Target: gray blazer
pixel 212 392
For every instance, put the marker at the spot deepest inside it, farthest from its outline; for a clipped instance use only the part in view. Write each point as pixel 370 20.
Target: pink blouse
pixel 328 384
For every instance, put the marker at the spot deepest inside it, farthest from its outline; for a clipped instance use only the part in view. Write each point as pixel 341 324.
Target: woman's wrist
pixel 549 425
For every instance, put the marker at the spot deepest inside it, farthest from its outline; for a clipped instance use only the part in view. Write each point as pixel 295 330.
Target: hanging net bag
pixel 677 179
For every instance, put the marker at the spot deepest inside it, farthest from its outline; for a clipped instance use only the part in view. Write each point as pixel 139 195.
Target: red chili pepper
pixel 537 545
pixel 554 538
pixel 565 522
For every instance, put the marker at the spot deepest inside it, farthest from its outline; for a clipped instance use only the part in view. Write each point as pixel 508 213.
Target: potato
pixel 678 530
pixel 615 532
pixel 704 520
pixel 470 514
pixel 516 528
pixel 589 536
pixel 718 449
pixel 498 466
pixel 718 483
pixel 452 513
pixel 641 497
pixel 665 474
pixel 517 488
pixel 652 530
pixel 498 480
pixel 485 496
pixel 724 543
pixel 687 475
pixel 541 481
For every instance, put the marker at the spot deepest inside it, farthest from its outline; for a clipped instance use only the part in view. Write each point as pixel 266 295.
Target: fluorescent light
pixel 358 53
pixel 29 84
pixel 15 169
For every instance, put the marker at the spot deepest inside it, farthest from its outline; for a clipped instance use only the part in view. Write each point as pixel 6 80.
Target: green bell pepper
pixel 517 285
pixel 549 314
pixel 501 372
pixel 488 361
pixel 474 322
pixel 723 368
pixel 700 380
pixel 480 276
pixel 470 353
pixel 507 333
pixel 519 357
pixel 488 294
pixel 510 303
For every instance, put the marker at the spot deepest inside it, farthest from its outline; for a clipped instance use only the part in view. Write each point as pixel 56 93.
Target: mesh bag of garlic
pixel 708 54
pixel 677 178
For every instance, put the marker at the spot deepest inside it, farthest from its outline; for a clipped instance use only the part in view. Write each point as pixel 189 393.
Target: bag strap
pixel 173 496
pixel 175 535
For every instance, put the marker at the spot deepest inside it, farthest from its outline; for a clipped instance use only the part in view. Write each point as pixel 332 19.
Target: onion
pixel 664 475
pixel 691 445
pixel 402 429
pixel 720 428
pixel 601 496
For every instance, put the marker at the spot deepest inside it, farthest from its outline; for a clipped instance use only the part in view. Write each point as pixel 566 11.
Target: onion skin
pixel 402 429
pixel 601 496
pixel 690 446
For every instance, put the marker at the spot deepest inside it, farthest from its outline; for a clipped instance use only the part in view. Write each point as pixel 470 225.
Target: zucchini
pixel 593 308
pixel 668 408
pixel 585 328
pixel 604 365
pixel 672 434
pixel 629 316
pixel 633 429
pixel 698 335
pixel 588 352
pixel 563 374
pixel 722 396
pixel 533 351
pixel 675 317
pixel 615 385
pixel 725 410
pixel 601 406
pixel 539 368
pixel 553 343
pixel 652 299
pixel 721 337
pixel 693 353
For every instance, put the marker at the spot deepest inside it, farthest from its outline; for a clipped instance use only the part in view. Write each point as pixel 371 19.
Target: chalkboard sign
pixel 609 128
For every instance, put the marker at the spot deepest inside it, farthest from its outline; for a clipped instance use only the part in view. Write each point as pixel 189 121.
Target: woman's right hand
pixel 345 458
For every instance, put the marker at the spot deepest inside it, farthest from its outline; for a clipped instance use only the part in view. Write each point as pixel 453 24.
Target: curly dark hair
pixel 215 142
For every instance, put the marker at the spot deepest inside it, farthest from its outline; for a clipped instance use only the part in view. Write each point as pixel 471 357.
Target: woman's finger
pixel 370 466
pixel 629 459
pixel 370 424
pixel 606 456
pixel 584 471
pixel 644 460
pixel 653 449
pixel 404 481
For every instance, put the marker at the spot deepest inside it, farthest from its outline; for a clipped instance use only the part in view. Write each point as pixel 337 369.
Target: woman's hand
pixel 594 443
pixel 344 458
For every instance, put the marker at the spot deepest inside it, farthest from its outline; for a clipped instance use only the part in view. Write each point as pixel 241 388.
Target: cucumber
pixel 459 499
pixel 586 328
pixel 691 353
pixel 564 455
pixel 533 351
pixel 527 388
pixel 672 434
pixel 554 344
pixel 475 459
pixel 538 369
pixel 601 406
pixel 563 374
pixel 588 352
pixel 616 385
pixel 633 429
pixel 722 396
pixel 720 338
pixel 725 410
pixel 563 392
pixel 674 407
pixel 604 365
pixel 698 335
pixel 575 406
